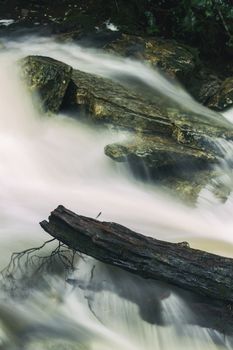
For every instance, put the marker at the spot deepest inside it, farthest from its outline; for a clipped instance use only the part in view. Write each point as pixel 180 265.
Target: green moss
pixel 48 79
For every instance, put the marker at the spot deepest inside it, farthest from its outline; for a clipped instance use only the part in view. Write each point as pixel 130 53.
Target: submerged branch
pixel 25 266
pixel 16 258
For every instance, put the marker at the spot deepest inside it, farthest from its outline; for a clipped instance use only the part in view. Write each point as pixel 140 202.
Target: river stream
pixel 46 161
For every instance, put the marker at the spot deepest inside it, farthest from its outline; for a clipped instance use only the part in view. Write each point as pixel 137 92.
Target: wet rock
pixel 175 59
pixel 176 147
pixel 223 97
pixel 180 62
pixel 187 185
pixel 158 152
pixel 68 37
pixel 97 38
pixel 108 102
pixel 180 170
pixel 199 130
pixel 177 169
pixel 24 12
pixel 47 78
pixel 204 86
pixel 103 100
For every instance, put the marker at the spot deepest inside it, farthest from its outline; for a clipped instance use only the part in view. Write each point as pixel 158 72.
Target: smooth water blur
pixel 121 69
pixel 46 161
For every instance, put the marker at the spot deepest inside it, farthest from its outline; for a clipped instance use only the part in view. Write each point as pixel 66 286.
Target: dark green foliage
pixel 205 23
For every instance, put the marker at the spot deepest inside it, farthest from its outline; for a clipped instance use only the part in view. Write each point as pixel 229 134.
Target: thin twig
pixel 117 6
pixel 215 5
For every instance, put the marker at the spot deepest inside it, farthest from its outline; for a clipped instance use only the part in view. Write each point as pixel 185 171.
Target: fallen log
pixel 206 275
pixel 176 263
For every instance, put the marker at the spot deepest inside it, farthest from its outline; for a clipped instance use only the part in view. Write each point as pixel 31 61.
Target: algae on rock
pixel 48 78
pixel 158 152
pixel 223 97
pixel 175 59
pixel 182 170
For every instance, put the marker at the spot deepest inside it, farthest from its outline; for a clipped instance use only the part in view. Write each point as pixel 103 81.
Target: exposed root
pixel 26 266
pixel 15 263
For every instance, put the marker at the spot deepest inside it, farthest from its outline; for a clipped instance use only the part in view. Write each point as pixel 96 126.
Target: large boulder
pixel 107 101
pixel 190 185
pixel 223 97
pixel 157 152
pixel 182 170
pixel 174 59
pixel 177 147
pixel 47 78
pixel 177 61
pixel 204 84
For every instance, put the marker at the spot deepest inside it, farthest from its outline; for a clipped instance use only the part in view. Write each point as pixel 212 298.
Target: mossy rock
pixel 48 79
pixel 178 170
pixel 173 58
pixel 108 102
pixel 157 152
pixel 223 98
pixel 166 141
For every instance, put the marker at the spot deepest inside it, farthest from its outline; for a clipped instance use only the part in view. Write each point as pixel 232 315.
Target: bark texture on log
pixel 206 275
pixel 198 271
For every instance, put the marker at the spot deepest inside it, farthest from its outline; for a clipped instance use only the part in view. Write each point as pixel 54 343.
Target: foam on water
pixel 46 161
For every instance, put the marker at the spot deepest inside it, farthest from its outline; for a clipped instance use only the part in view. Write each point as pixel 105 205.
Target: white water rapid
pixel 46 161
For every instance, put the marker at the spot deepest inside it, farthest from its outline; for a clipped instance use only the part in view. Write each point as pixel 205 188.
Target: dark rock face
pixel 48 78
pixel 181 170
pixel 109 102
pixel 157 152
pixel 176 60
pixel 176 147
pixel 179 62
pixel 212 90
pixel 206 87
pixel 223 97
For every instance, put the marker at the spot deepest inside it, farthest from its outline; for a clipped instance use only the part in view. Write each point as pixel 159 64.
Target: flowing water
pixel 46 161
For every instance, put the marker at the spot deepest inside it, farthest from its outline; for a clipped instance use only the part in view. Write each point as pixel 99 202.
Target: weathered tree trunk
pixel 201 272
pixel 207 275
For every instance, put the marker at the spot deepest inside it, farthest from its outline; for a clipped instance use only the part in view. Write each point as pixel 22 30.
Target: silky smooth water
pixel 46 161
